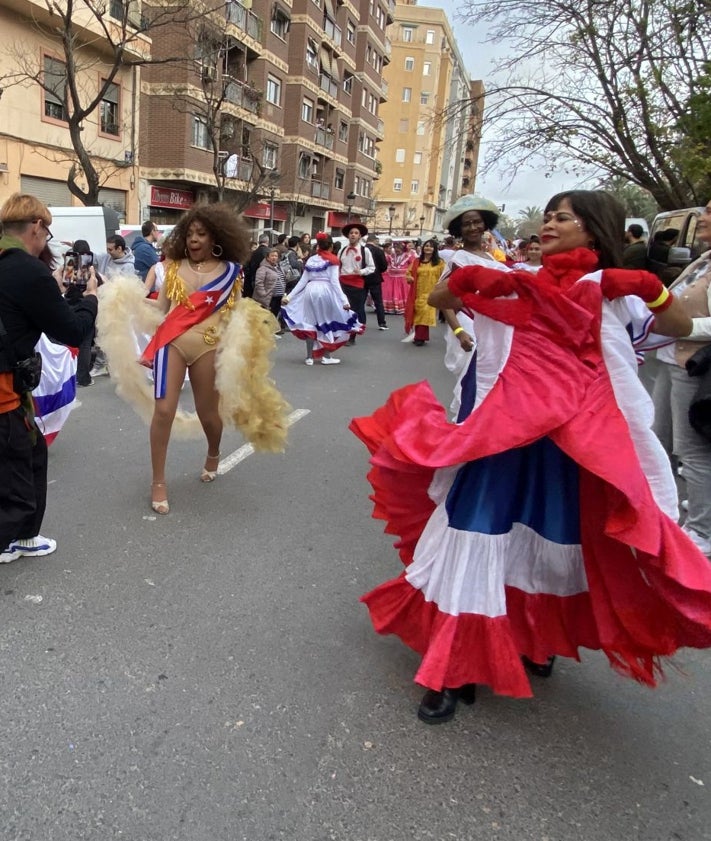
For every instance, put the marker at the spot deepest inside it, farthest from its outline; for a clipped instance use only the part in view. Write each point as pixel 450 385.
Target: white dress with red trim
pixel 545 521
pixel 316 305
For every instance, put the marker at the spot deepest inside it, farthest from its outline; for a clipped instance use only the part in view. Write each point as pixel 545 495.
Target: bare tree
pixel 91 39
pixel 603 85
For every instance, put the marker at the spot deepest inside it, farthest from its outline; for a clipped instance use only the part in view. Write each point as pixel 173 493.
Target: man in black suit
pixel 374 282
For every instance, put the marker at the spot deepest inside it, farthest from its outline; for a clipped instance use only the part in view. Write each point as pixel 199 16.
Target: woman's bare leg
pixel 202 380
pixel 162 422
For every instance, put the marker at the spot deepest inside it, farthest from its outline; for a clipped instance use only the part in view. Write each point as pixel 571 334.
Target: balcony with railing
pixel 384 87
pixel 380 128
pixel 319 190
pixel 239 168
pixel 327 85
pixel 391 11
pixel 244 19
pixel 239 93
pixel 324 138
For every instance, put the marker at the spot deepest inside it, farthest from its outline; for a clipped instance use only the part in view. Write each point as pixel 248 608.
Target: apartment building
pixel 277 113
pixel 36 147
pixel 433 114
pixel 271 105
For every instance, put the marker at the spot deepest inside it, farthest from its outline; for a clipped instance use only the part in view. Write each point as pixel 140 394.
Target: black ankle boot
pixel 539 669
pixel 438 707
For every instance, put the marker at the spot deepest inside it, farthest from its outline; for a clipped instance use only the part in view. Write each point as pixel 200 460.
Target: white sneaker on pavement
pixel 330 360
pixel 99 371
pixel 33 547
pixel 308 361
pixel 8 556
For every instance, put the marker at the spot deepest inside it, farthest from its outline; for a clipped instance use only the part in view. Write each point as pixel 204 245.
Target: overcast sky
pixel 530 187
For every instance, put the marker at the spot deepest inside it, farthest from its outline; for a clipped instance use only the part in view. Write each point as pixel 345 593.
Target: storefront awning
pixel 263 211
pixel 336 219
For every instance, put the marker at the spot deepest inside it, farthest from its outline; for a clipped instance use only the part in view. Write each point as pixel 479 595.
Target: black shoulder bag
pixel 27 372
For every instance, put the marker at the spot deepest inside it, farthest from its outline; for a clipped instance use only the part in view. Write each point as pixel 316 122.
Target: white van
pixel 93 224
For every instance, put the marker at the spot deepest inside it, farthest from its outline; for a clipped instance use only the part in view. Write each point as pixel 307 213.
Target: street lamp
pixel 273 179
pixel 391 212
pixel 350 198
pixel 422 225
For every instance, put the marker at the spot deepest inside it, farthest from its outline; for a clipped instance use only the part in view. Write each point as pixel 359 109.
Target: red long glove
pixel 619 282
pixel 491 283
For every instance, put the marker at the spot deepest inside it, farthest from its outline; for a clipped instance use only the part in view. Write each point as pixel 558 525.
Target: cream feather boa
pixel 249 398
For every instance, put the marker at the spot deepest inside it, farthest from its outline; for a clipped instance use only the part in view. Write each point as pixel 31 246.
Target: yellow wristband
pixel 458 331
pixel 657 302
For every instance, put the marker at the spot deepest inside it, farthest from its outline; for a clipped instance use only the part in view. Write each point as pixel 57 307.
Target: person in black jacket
pixel 374 282
pixel 30 304
pixel 254 262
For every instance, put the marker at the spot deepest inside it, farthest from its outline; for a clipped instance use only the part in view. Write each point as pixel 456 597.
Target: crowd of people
pixel 542 519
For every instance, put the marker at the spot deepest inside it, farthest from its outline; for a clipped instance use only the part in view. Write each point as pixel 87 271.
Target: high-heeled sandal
pixel 210 475
pixel 160 506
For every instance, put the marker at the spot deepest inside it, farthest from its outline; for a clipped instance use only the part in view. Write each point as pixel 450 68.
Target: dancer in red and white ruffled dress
pixel 545 521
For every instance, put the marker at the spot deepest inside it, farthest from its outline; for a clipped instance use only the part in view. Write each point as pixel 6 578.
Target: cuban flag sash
pixel 207 300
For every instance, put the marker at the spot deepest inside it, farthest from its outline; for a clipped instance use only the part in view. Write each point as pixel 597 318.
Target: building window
pixel 305 165
pixel 399 156
pixel 415 186
pixel 380 17
pixel 246 142
pixel 307 110
pixel 404 126
pixel 366 188
pixel 201 139
pixel 55 81
pixel 356 185
pixel 420 127
pixel 427 68
pixel 279 23
pixel 407 34
pixel 339 179
pixel 429 36
pixel 350 32
pixel 424 98
pixel 109 110
pixel 417 158
pixel 397 185
pixel 409 63
pixel 269 156
pixel 311 55
pixel 348 83
pixel 364 97
pixel 407 94
pixel 273 90
pixel 343 131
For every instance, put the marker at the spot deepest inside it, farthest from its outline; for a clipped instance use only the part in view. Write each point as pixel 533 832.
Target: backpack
pixel 290 273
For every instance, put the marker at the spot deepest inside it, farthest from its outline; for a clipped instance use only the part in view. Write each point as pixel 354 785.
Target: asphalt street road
pixel 211 675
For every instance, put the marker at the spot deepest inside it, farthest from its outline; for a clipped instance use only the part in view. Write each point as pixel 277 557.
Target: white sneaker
pixel 409 338
pixel 330 360
pixel 9 555
pixel 703 544
pixel 308 361
pixel 100 371
pixel 33 547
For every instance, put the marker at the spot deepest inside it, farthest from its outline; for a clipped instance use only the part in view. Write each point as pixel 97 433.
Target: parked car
pixel 672 243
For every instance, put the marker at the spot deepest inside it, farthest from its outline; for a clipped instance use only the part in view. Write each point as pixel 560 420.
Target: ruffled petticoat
pixel 545 521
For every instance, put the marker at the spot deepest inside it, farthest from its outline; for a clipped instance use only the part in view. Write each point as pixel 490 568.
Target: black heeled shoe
pixel 439 707
pixel 538 669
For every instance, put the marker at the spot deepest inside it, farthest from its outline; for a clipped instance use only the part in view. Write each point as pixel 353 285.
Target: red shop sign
pixel 172 198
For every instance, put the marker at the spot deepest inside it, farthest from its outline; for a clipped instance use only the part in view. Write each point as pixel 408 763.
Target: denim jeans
pixel 673 392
